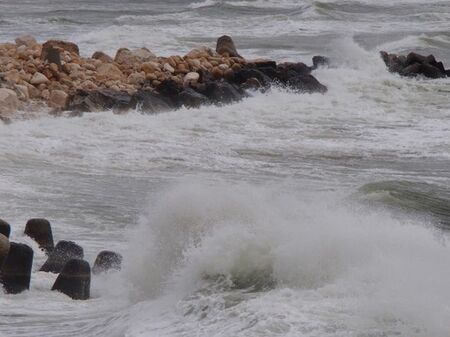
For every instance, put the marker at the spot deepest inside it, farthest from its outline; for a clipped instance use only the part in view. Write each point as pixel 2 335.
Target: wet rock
pixel 149 102
pixel 306 83
pixel 430 71
pixel 64 45
pixel 414 65
pixel 99 55
pixel 243 75
pixel 52 55
pixel 288 70
pixel 40 231
pixel 107 260
pixel 191 78
pixel 252 84
pixel 4 248
pixel 169 90
pixel 74 280
pixel 192 99
pixel 221 92
pixel 63 252
pixel 5 228
pixel 225 46
pixel 16 268
pixel 9 103
pixel 99 100
pixel 320 61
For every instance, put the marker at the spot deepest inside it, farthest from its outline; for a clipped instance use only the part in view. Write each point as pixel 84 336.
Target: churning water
pixel 281 215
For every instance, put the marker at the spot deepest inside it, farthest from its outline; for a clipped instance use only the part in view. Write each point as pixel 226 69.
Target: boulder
pixel 149 102
pixel 40 231
pixel 39 78
pixel 413 65
pixel 109 71
pixel 16 269
pixel 74 280
pixel 52 55
pixel 169 90
pixel 320 61
pixel 9 103
pixel 64 45
pixel 58 99
pixel 99 55
pixel 431 71
pixel 63 252
pixel 192 99
pixel 191 77
pixel 140 55
pixel 26 40
pixel 243 75
pixel 225 46
pixel 107 260
pixel 99 100
pixel 222 92
pixel 306 83
pixel 4 248
pixel 5 228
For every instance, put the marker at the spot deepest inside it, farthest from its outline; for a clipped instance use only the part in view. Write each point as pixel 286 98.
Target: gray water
pixel 281 215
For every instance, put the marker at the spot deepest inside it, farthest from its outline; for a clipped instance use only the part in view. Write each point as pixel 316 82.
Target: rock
pixel 16 269
pixel 38 78
pixel 306 83
pixel 99 100
pixel 40 231
pixel 136 78
pixel 9 103
pixel 5 228
pixel 431 71
pixel 225 46
pixel 169 68
pixel 107 260
pixel 221 92
pixel 243 75
pixel 24 93
pixel 192 99
pixel 150 67
pixel 52 55
pixel 252 84
pixel 289 69
pixel 4 248
pixel 149 102
pixel 413 65
pixel 143 55
pixel 26 40
pixel 261 63
pixel 412 58
pixel 74 280
pixel 191 77
pixel 411 70
pixel 320 61
pixel 63 252
pixel 99 55
pixel 169 90
pixel 64 45
pixel 122 55
pixel 58 99
pixel 109 71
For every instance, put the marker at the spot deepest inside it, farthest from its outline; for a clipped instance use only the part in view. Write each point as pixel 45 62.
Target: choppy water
pixel 281 215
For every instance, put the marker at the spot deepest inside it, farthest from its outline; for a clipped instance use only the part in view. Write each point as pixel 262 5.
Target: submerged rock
pixel 16 268
pixel 63 252
pixel 99 100
pixel 107 260
pixel 74 280
pixel 40 231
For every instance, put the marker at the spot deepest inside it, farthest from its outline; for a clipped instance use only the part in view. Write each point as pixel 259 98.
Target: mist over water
pixel 281 215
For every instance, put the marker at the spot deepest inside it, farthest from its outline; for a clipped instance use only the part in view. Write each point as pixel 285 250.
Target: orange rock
pixel 109 70
pixel 57 99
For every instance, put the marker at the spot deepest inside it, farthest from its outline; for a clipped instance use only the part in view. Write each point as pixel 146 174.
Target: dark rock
pixel 306 83
pixel 262 64
pixel 192 99
pixel 149 102
pixel 51 54
pixel 169 90
pixel 243 75
pixel 99 55
pixel 63 252
pixel 100 99
pixel 64 45
pixel 447 72
pixel 16 269
pixel 286 71
pixel 225 46
pixel 4 248
pixel 40 230
pixel 440 66
pixel 431 71
pixel 411 70
pixel 252 84
pixel 222 92
pixel 74 280
pixel 393 62
pixel 320 61
pixel 415 58
pixel 5 228
pixel 107 260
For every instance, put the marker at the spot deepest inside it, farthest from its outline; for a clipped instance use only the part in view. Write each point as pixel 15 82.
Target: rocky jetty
pixel 414 64
pixel 54 74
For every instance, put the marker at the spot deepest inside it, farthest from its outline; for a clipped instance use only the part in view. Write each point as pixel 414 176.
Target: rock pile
pixel 414 65
pixel 54 73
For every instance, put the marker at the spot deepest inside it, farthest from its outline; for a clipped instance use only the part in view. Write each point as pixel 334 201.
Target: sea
pixel 285 214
